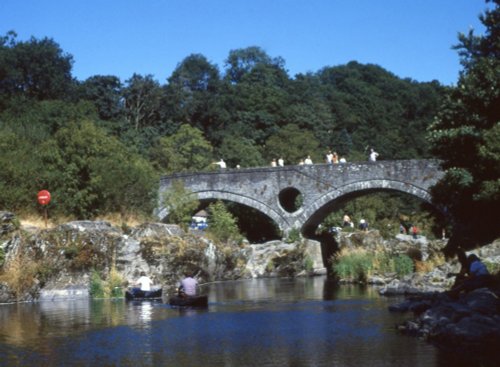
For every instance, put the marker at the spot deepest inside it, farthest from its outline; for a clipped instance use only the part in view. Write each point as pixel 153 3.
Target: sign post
pixel 44 199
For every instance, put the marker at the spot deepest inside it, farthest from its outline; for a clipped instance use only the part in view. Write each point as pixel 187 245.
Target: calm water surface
pixel 270 322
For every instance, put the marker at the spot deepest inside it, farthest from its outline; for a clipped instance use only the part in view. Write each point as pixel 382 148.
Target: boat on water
pixel 137 294
pixel 200 301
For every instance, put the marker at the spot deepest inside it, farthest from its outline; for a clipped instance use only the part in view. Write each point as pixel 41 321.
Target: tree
pixel 39 120
pixel 91 173
pixel 186 150
pixel 143 96
pixel 366 99
pixel 180 204
pixel 222 225
pixel 465 135
pixel 35 69
pixel 237 150
pixel 241 62
pixel 105 92
pixel 293 144
pixel 19 172
pixel 192 93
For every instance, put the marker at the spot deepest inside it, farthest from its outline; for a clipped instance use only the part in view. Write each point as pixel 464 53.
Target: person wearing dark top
pixel 476 276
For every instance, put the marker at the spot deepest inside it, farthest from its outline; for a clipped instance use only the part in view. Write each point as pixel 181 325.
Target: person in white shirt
pixel 308 160
pixel 373 156
pixel 145 282
pixel 329 157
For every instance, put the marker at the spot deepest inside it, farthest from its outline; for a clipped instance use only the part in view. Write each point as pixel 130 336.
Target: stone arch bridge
pixel 273 190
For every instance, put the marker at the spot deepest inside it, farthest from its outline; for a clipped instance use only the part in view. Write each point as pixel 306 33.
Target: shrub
pixel 20 275
pixel 403 265
pixel 180 204
pixel 114 284
pixel 359 264
pixel 383 262
pixel 493 268
pixel 222 224
pixel 96 285
pixel 293 236
pixel 355 265
pixel 308 264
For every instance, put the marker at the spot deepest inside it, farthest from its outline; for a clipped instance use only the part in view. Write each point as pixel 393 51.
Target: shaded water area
pixel 264 322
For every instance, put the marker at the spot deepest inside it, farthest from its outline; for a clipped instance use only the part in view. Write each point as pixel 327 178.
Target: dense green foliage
pixel 100 144
pixel 222 225
pixel 180 203
pixel 466 135
pixel 359 264
pixel 387 212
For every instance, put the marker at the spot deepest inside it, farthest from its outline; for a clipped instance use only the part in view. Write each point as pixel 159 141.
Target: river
pixel 260 322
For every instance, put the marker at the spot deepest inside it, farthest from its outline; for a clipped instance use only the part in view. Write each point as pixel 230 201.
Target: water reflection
pixel 271 322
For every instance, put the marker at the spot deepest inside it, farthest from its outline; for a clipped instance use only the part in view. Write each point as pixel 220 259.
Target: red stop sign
pixel 44 197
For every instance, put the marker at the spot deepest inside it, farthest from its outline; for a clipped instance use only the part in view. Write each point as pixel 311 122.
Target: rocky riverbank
pixel 471 322
pixel 69 260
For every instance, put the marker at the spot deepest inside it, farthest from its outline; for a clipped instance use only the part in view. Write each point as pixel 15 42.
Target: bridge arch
pixel 315 213
pixel 266 210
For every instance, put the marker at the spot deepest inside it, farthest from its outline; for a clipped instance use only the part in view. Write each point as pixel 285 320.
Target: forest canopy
pixel 89 141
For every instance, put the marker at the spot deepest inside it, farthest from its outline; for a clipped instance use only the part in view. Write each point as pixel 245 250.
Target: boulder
pixel 472 321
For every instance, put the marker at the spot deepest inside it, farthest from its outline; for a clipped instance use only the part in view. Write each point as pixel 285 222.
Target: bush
pixel 403 265
pixel 96 285
pixel 293 236
pixel 20 275
pixel 355 266
pixel 308 264
pixel 493 268
pixel 383 262
pixel 104 289
pixel 114 284
pixel 359 264
pixel 180 204
pixel 222 224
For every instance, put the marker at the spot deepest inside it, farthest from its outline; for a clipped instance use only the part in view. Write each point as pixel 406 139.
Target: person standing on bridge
pixel 308 160
pixel 281 162
pixel 373 155
pixel 221 164
pixel 335 158
pixel 329 157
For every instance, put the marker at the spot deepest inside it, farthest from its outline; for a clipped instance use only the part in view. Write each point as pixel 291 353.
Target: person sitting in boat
pixel 188 286
pixel 144 283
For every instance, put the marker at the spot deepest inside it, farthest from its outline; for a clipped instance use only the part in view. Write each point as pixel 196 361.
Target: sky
pixel 410 38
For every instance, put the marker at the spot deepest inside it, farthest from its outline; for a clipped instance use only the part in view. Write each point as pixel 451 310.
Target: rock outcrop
pixel 472 321
pixel 49 264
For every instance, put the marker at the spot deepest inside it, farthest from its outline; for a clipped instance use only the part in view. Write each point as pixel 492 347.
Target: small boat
pixel 189 301
pixel 137 294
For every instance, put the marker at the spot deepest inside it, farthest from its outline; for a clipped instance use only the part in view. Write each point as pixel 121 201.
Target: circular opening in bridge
pixel 290 199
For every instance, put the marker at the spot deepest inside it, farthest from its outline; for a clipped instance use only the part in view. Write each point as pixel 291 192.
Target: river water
pixel 260 322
